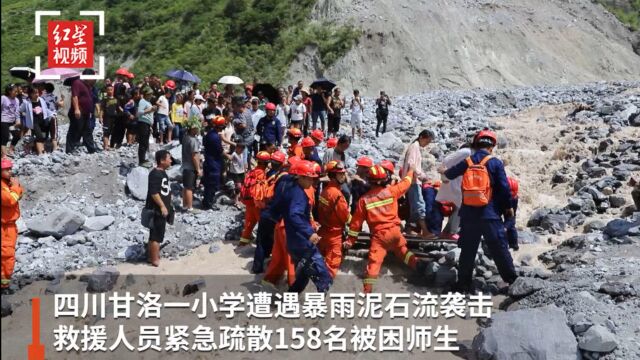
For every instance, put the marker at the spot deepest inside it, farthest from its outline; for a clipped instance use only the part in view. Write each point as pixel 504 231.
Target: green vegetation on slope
pixel 250 38
pixel 627 11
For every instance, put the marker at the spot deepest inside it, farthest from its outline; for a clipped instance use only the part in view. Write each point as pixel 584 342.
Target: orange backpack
pixel 254 186
pixel 476 184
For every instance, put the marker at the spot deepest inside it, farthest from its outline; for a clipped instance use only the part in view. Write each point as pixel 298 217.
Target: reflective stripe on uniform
pixel 407 257
pixel 379 203
pixel 15 195
pixel 408 178
pixel 245 240
pixel 353 233
pixel 6 281
pixel 324 201
pixel 349 219
pixel 369 281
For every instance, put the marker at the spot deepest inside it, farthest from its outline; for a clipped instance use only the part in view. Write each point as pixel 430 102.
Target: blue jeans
pixel 416 203
pixel 163 123
pixel 314 117
pixel 177 132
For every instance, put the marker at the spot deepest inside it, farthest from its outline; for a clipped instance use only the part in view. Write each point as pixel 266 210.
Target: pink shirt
pixel 413 156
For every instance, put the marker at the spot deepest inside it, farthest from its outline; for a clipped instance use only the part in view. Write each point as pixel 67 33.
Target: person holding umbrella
pixel 319 107
pixel 10 119
pixel 80 113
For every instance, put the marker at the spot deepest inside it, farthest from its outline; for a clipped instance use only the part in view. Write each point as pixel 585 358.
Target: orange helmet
pixel 388 166
pixel 278 157
pixel 6 164
pixel 292 160
pixel 170 84
pixel 294 132
pixel 219 121
pixel 317 134
pixel 365 161
pixel 513 184
pixel 485 134
pixel 270 106
pixel 307 142
pixel 317 168
pixel 377 172
pixel 263 156
pixel 331 143
pixel 304 168
pixel 335 166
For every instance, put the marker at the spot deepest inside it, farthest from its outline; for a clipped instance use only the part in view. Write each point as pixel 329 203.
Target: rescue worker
pixel 280 259
pixel 267 224
pixel 390 168
pixel 309 150
pixel 254 180
pixel 11 194
pixel 359 184
pixel 268 128
pixel 294 135
pixel 278 159
pixel 510 222
pixel 318 137
pixel 213 161
pixel 332 142
pixel 484 222
pixel 333 214
pixel 379 208
pixel 300 232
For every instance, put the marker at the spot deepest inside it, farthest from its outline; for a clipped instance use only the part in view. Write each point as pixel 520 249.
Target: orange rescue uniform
pixel 379 208
pixel 295 150
pixel 333 214
pixel 280 258
pixel 11 194
pixel 252 211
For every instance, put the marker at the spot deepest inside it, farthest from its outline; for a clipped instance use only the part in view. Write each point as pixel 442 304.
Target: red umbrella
pixel 122 71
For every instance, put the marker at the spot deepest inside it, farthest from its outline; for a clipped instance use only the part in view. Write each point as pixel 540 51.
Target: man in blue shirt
pixel 484 221
pixel 269 128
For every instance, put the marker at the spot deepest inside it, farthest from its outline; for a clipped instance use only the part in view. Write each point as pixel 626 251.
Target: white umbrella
pixel 230 80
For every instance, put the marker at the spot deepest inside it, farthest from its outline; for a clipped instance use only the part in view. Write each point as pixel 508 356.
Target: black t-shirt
pixel 37 111
pixel 318 103
pixel 109 106
pixel 211 111
pixel 383 105
pixel 158 184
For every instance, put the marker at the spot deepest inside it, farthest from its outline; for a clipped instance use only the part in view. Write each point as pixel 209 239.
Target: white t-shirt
pixel 238 163
pixel 163 105
pixel 355 108
pixel 451 190
pixel 298 111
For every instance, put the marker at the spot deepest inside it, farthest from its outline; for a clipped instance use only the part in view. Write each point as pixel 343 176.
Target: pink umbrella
pixel 64 73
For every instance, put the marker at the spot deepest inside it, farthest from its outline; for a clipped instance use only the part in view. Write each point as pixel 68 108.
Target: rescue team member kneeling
pixel 485 197
pixel 379 208
pixel 159 199
pixel 301 236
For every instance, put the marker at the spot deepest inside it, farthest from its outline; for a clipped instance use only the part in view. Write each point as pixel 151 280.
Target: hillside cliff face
pixel 412 45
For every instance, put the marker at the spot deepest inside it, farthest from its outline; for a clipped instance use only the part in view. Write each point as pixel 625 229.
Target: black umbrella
pixel 24 73
pixel 323 83
pixel 268 91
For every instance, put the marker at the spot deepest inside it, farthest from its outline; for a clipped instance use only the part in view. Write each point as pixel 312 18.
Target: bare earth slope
pixel 411 45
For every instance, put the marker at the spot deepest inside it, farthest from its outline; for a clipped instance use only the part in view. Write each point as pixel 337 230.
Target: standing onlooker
pixel 308 103
pixel 282 113
pixel 10 119
pixel 237 168
pixel 11 194
pixel 80 114
pixel 131 111
pixel 298 112
pixel 191 170
pixel 357 110
pixel 319 107
pixel 178 117
pixel 295 92
pixel 269 128
pixel 213 161
pixel 159 200
pixel 413 159
pixel 54 104
pixel 109 112
pixel 145 121
pixel 336 105
pixel 164 124
pixel 37 118
pixel 244 125
pixel 382 112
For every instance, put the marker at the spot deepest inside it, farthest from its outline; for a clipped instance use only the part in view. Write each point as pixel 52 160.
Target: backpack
pixel 476 184
pixel 254 186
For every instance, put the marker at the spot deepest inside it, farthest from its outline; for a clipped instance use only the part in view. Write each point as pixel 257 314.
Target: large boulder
pixel 98 223
pixel 618 228
pixel 598 339
pixel 176 154
pixel 102 280
pixel 59 223
pixel 138 182
pixel 524 286
pixel 540 333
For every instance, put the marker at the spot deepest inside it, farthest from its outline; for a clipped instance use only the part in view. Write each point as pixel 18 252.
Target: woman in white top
pixel 356 114
pixel 451 190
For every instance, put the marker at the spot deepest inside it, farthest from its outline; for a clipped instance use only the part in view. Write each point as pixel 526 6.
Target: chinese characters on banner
pixel 70 44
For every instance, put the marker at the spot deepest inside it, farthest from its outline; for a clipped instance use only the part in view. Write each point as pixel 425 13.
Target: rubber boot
pixel 425 233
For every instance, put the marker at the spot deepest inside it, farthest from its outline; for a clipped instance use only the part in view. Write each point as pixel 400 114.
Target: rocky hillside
pixel 411 45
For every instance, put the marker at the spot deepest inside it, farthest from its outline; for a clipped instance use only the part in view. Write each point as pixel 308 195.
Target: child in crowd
pixel 237 167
